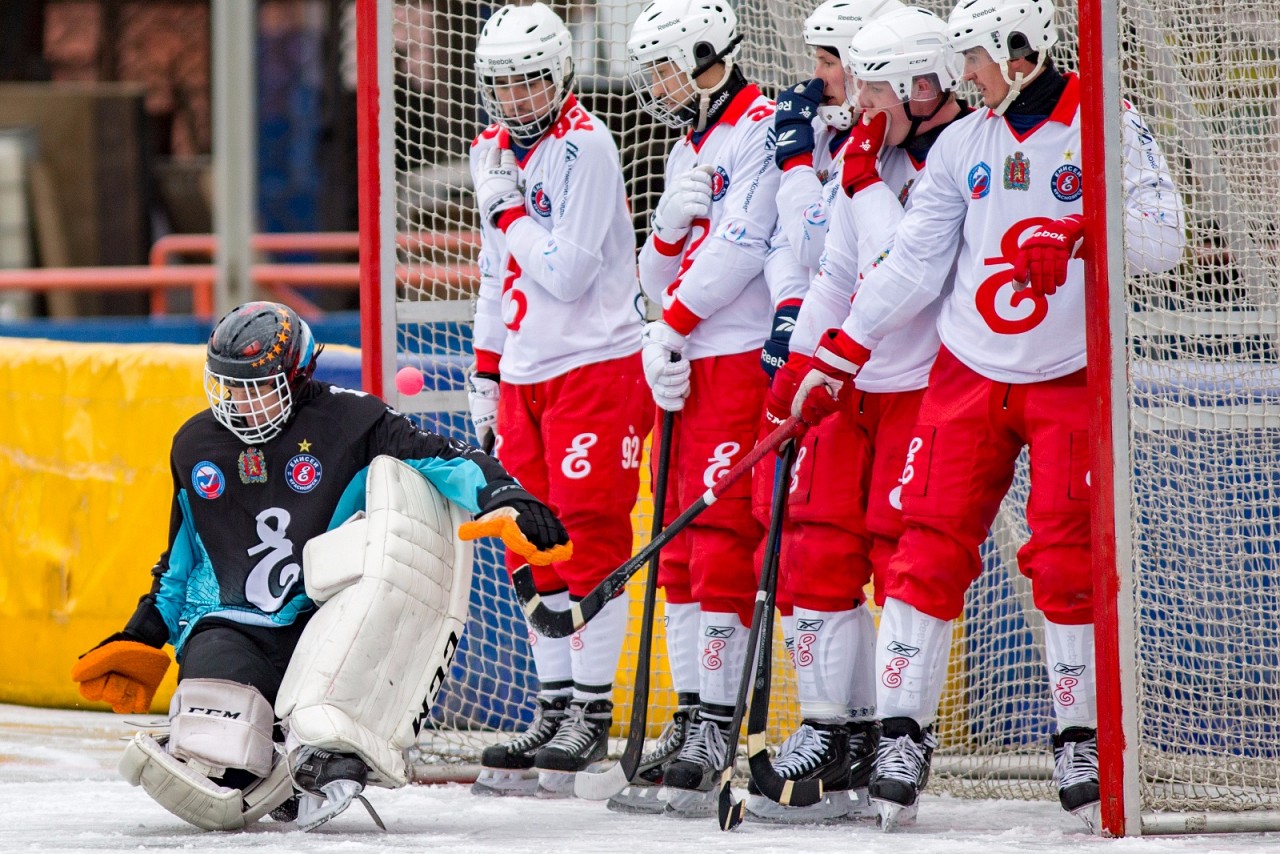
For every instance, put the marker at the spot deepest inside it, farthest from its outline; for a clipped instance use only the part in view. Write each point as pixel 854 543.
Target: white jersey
pixel 718 272
pixel 861 228
pixel 805 196
pixel 988 188
pixel 558 290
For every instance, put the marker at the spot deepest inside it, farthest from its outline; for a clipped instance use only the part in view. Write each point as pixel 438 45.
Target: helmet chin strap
pixel 942 100
pixel 1016 84
pixel 704 96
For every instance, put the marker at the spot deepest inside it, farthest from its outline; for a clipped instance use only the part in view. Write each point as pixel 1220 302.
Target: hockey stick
pixel 759 642
pixel 605 784
pixel 560 624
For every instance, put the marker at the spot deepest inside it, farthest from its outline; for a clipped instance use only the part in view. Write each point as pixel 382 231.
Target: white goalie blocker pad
pixel 395 584
pixel 215 724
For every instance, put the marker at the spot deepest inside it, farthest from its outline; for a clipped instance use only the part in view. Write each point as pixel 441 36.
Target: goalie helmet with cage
pixel 674 42
pixel 524 65
pixel 259 355
pixel 1007 30
pixel 907 52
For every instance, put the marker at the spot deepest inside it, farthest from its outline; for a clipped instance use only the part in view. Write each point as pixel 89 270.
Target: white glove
pixel 669 380
pixel 498 184
pixel 482 397
pixel 686 198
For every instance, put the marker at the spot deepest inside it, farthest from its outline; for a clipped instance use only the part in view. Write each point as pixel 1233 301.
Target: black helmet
pixel 259 355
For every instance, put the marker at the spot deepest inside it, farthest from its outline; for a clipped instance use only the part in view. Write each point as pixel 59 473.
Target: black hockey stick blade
pixel 605 784
pixel 760 650
pixel 561 624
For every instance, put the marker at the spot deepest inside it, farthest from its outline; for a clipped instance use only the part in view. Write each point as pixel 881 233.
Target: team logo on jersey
pixel 302 473
pixel 252 466
pixel 815 214
pixel 1017 172
pixel 979 181
pixel 734 231
pixel 906 191
pixel 1067 183
pixel 208 480
pixel 719 184
pixel 541 201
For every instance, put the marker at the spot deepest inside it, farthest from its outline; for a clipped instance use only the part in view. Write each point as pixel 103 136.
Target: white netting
pixel 1203 395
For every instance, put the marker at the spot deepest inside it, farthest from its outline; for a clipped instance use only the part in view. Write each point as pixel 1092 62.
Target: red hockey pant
pixel 575 442
pixel 960 464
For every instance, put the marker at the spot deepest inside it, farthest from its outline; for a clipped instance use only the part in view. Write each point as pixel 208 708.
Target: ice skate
pixel 814 751
pixel 1075 760
pixel 641 794
pixel 688 784
pixel 329 783
pixel 582 739
pixel 902 770
pixel 507 768
pixel 864 738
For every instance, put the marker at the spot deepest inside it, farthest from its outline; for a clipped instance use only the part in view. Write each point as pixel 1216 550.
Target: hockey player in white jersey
pixel 813 121
pixel 703 262
pixel 558 374
pixel 1005 183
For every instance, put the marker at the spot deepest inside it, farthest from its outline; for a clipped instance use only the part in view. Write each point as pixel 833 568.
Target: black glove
pixel 793 120
pixel 778 347
pixel 538 524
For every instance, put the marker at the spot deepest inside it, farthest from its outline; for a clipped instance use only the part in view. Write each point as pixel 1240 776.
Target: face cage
pixel 268 401
pixel 529 130
pixel 641 76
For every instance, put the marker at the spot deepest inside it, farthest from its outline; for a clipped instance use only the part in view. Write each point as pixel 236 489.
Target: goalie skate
pixel 507 768
pixel 642 794
pixel 814 751
pixel 1075 754
pixel 902 770
pixel 329 783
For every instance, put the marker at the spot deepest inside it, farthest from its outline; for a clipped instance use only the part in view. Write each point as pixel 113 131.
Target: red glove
pixel 835 364
pixel 777 404
pixel 862 152
pixel 1042 258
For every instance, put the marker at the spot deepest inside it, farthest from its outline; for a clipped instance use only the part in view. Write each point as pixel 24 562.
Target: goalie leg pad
pixel 397 582
pixel 216 724
pixel 195 798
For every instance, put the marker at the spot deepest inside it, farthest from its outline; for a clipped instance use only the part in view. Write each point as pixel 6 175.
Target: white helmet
pixel 524 43
pixel 834 24
pixel 899 49
pixel 692 35
pixel 982 23
pixel 991 25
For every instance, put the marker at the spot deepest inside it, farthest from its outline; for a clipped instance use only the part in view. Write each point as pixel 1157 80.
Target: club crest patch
pixel 1067 183
pixel 719 184
pixel 979 181
pixel 540 200
pixel 302 473
pixel 252 466
pixel 1017 172
pixel 208 480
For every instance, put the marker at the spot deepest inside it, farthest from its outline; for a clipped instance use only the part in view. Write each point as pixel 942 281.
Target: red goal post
pixel 1183 365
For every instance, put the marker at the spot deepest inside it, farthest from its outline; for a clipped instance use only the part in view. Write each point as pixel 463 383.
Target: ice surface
pixel 60 792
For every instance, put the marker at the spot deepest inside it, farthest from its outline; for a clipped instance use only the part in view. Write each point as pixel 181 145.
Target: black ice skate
pixel 816 751
pixel 688 783
pixel 864 740
pixel 902 770
pixel 1075 769
pixel 329 783
pixel 583 738
pixel 641 794
pixel 507 768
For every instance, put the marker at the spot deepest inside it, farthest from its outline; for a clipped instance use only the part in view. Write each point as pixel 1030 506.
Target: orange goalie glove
pixel 123 673
pixel 528 528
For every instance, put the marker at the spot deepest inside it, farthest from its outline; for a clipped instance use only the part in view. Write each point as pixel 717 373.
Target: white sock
pixel 594 650
pixel 551 658
pixel 825 651
pixel 723 652
pixel 911 662
pixel 789 636
pixel 683 646
pixel 1068 652
pixel 862 675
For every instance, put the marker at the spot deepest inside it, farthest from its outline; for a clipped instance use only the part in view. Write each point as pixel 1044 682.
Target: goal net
pixel 1198 437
